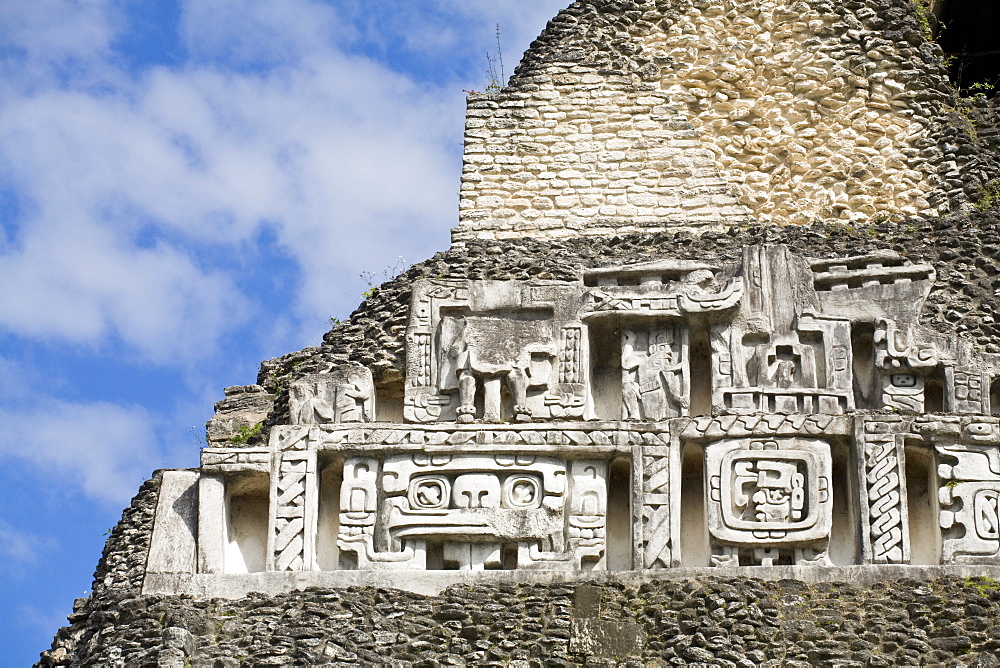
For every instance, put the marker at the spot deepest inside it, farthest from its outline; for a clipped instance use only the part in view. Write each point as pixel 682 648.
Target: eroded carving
pixel 494 351
pixel 968 451
pixel 518 395
pixel 344 394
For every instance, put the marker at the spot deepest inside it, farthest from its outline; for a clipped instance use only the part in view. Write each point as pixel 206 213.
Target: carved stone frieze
pixel 474 512
pixel 968 470
pixel 293 507
pixel 771 410
pixel 494 351
pixel 657 530
pixel 343 394
pixel 769 496
pixel 655 373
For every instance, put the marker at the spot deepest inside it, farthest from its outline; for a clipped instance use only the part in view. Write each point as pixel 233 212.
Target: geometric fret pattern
pixel 294 482
pixel 656 507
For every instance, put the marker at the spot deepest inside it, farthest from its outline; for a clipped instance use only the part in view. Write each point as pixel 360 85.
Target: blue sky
pixel 188 187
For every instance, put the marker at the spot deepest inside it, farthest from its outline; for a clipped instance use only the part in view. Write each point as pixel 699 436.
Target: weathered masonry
pixel 773 410
pixel 709 374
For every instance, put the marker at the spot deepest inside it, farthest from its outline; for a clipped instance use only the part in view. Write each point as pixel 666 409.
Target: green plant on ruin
pixel 375 278
pixel 983 585
pixel 979 91
pixel 925 17
pixel 245 433
pixel 989 196
pixel 963 110
pixel 495 73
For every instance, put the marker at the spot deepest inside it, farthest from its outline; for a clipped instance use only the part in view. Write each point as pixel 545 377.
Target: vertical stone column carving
pixel 570 398
pixel 571 355
pixel 588 509
pixel 657 545
pixel 294 491
pixel 883 510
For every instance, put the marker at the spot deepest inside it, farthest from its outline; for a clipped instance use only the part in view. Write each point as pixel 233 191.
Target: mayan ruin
pixel 709 375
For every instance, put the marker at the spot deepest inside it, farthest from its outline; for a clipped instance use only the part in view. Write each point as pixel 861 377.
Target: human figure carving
pixel 458 370
pixel 311 406
pixel 652 379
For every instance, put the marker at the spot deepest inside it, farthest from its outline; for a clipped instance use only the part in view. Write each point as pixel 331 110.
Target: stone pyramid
pixel 710 374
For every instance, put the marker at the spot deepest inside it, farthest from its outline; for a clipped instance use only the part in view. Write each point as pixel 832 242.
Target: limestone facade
pixel 664 114
pixel 627 370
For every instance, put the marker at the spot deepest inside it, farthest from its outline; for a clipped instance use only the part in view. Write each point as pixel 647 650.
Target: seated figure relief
pixel 344 394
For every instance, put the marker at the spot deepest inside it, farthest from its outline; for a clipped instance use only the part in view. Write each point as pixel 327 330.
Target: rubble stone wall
pixel 654 114
pixel 718 621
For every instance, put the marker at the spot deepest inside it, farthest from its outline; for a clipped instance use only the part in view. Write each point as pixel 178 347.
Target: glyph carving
pixel 903 364
pixel 968 454
pixel 768 495
pixel 968 384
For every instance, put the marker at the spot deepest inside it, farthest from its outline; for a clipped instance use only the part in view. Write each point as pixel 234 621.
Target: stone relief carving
pixel 654 374
pixel 518 396
pixel 494 351
pixel 903 364
pixel 293 518
pixel 474 512
pixel 344 394
pixel 885 537
pixel 968 455
pixel 656 507
pixel 769 496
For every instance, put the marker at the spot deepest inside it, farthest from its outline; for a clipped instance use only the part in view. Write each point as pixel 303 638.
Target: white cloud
pixel 131 192
pixel 58 29
pixel 332 155
pixel 72 37
pixel 17 546
pixel 102 449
